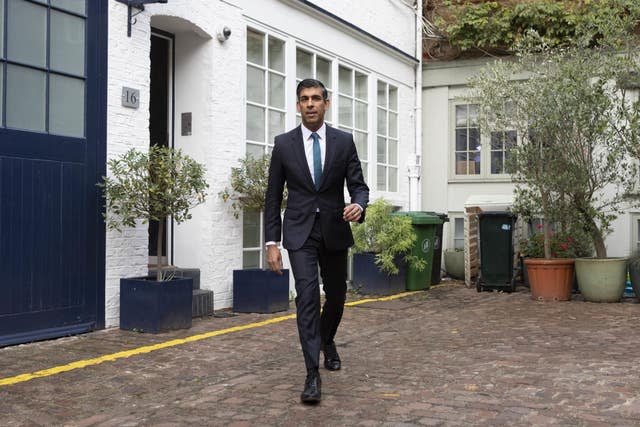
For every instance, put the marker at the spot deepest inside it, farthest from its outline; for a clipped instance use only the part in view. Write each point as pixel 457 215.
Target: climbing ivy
pixel 502 24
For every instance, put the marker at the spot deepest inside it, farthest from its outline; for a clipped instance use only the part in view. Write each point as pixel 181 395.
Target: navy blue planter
pixel 260 291
pixel 368 279
pixel 147 305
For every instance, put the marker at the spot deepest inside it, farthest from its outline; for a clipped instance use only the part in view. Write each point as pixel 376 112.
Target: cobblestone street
pixel 447 356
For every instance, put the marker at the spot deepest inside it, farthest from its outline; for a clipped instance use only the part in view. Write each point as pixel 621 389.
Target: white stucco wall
pixel 443 83
pixel 210 83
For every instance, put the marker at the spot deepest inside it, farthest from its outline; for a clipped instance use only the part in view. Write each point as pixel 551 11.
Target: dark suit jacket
pixel 289 165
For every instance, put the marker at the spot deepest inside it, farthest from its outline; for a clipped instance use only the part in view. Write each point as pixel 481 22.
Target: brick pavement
pixel 448 356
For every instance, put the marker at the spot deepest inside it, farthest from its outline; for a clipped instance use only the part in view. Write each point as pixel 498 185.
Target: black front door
pixel 52 154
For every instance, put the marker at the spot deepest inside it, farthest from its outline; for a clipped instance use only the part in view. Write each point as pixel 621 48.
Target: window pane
pixel 392 152
pixel 393 125
pixel 344 77
pixel 496 162
pixel 255 49
pixel 255 123
pixel 393 179
pixel 254 150
pixel 303 64
pixel 473 115
pixel 67 43
pixel 461 140
pixel 497 139
pixel 511 139
pixel 251 259
pixel 276 54
pixel 360 139
pixel 393 98
pixel 323 71
pixel 250 229
pixel 66 106
pixel 361 86
pixel 461 115
pixel 27 26
pixel 461 164
pixel 361 115
pixel 255 85
pixel 276 90
pixel 345 113
pixel 382 121
pixel 382 94
pixel 327 113
pixel 365 170
pixel 77 6
pixel 474 165
pixel 276 125
pixel 382 178
pixel 381 150
pixel 26 90
pixel 474 139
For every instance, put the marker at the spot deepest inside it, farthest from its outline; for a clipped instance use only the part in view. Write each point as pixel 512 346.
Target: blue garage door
pixel 52 153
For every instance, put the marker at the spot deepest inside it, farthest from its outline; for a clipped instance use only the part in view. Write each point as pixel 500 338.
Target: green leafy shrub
pixel 152 185
pixel 249 185
pixel 386 235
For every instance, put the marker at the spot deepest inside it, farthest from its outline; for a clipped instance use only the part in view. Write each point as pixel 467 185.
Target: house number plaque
pixel 130 97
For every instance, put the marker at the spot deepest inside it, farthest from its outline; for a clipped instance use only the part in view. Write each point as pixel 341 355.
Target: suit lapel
pixel 298 149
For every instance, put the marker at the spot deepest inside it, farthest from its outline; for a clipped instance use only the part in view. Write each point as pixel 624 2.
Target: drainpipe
pixel 415 158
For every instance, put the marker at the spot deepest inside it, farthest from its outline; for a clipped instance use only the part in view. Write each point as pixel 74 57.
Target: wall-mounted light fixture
pixel 138 4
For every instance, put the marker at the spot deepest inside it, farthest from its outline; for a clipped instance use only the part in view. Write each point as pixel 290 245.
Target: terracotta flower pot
pixel 550 279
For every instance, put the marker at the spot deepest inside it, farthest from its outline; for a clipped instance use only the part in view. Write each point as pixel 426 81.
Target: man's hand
pixel 274 259
pixel 352 213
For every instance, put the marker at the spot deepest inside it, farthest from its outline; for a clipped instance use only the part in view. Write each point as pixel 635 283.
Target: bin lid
pixel 418 217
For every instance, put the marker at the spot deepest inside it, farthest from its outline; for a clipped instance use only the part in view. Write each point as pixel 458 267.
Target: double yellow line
pixel 167 344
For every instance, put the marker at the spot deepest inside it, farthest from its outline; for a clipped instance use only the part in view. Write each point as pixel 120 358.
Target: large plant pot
pixel 147 305
pixel 601 280
pixel 368 279
pixel 260 291
pixel 454 264
pixel 634 274
pixel 550 279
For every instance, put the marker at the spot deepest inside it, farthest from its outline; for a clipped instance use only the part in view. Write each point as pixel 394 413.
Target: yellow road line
pixel 149 348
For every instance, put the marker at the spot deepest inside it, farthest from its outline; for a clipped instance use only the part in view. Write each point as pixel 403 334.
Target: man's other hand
pixel 352 213
pixel 274 259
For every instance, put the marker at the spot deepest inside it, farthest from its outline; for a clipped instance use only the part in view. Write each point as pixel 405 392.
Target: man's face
pixel 312 107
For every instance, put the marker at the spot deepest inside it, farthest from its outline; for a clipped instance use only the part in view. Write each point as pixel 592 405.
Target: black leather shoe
pixel 331 358
pixel 312 386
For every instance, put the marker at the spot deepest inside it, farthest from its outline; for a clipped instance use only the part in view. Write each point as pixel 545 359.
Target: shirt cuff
pixel 271 243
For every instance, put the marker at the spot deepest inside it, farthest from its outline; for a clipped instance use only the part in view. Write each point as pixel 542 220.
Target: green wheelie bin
pixel 425 225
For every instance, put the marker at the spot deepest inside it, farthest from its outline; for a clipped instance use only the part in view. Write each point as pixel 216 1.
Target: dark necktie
pixel 317 160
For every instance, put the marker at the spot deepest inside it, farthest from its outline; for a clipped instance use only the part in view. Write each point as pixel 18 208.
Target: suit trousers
pixel 317 329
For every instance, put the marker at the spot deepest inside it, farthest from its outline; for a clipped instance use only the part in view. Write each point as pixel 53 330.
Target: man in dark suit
pixel 315 160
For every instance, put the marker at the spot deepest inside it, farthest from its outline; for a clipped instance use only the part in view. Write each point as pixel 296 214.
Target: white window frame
pixel 387 110
pixel 485 152
pixel 453 218
pixel 268 134
pixel 328 84
pixel 361 135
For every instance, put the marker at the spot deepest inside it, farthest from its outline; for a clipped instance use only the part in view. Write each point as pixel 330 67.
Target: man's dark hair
pixel 308 83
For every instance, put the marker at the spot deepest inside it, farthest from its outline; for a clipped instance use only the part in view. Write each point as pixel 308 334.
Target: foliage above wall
pixel 464 28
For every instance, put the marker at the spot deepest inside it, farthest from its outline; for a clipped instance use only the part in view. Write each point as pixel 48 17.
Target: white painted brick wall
pixel 212 87
pixel 389 20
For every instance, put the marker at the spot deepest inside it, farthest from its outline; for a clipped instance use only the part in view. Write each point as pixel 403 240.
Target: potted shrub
pixel 255 290
pixel 454 263
pixel 382 250
pixel 570 164
pixel 145 186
